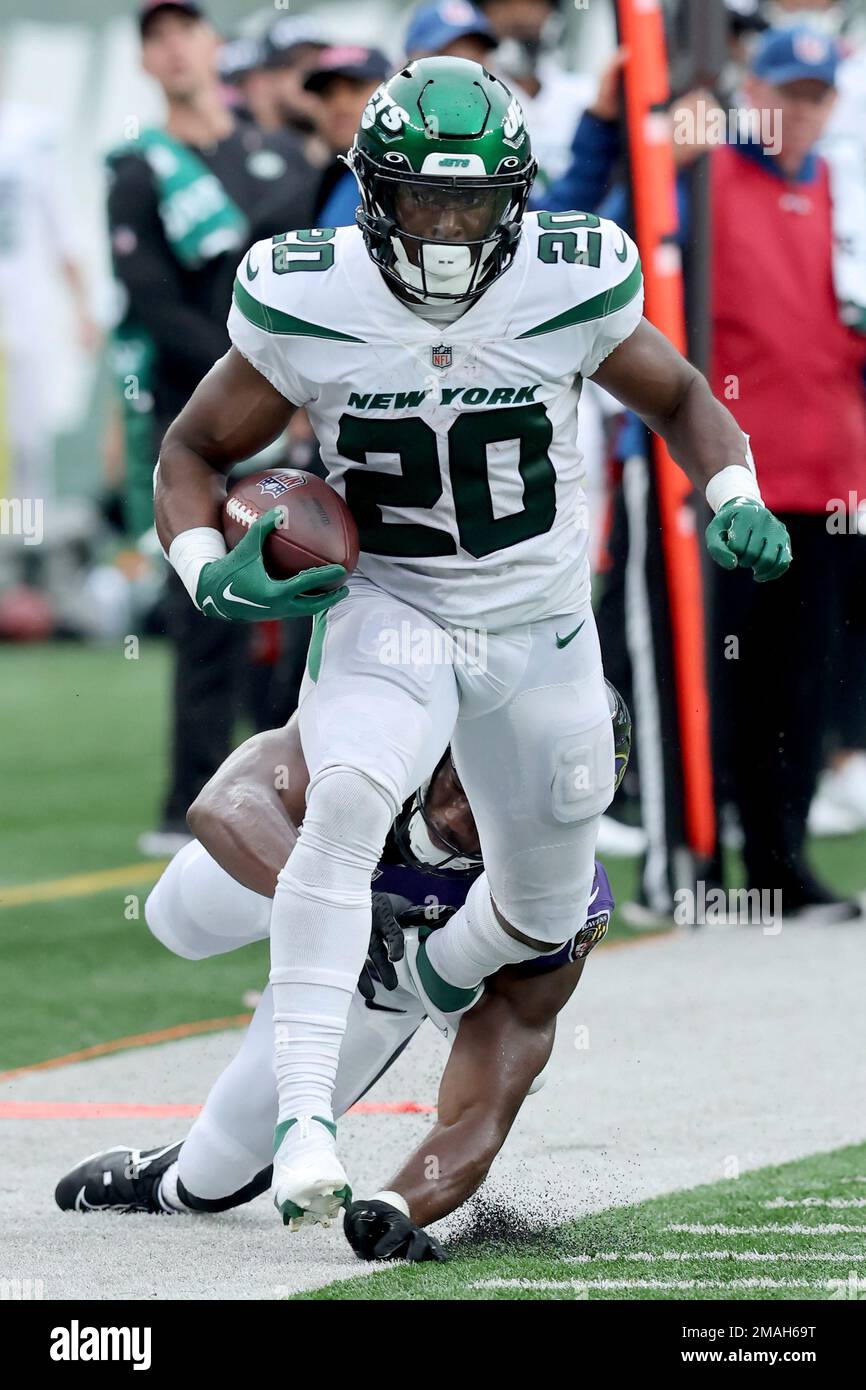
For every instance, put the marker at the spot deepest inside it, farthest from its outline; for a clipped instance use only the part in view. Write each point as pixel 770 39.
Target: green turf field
pixel 83 764
pixel 796 1231
pixel 82 778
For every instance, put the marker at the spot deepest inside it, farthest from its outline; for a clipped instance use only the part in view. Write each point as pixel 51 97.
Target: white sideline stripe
pixel 839 1203
pixel 772 1228
pixel 756 1256
pixel 657 1283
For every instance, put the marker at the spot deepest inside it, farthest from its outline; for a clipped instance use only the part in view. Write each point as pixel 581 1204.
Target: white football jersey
pixel 453 445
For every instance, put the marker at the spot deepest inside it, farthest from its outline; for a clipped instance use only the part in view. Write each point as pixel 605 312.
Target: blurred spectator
pixel 41 537
pixel 595 148
pixel 792 373
pixel 552 99
pixel 293 45
pixel 831 16
pixel 265 78
pixel 35 239
pixel 344 79
pixel 452 28
pixel 184 203
pixel 744 21
pixel 241 67
pixel 840 804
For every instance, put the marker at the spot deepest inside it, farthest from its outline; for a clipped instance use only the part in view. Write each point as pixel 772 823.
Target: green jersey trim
pixel 596 308
pixel 317 641
pixel 286 325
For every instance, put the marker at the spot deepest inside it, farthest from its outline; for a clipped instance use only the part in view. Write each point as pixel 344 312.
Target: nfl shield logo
pixel 441 357
pixel 275 486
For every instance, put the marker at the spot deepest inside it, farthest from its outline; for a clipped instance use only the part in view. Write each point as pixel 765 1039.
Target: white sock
pixel 473 944
pixel 166 1192
pixel 320 931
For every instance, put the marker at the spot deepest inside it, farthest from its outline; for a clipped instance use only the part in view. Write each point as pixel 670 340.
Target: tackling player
pixel 246 818
pixel 439 348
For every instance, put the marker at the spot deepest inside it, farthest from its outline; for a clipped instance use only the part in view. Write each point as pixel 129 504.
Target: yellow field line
pixel 159 1035
pixel 81 885
pixel 213 1025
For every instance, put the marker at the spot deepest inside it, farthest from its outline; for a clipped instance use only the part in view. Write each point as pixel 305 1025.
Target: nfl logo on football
pixel 275 487
pixel 441 357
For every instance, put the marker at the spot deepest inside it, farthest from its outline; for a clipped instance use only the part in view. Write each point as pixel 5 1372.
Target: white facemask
pixel 422 845
pixel 448 266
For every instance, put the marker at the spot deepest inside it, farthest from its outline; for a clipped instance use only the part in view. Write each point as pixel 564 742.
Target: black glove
pixel 377 1231
pixel 386 945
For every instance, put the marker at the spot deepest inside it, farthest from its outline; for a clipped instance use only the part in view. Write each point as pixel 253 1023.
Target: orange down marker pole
pixel 647 91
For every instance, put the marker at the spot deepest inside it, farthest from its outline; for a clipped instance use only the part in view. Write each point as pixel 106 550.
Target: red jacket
pixel 782 360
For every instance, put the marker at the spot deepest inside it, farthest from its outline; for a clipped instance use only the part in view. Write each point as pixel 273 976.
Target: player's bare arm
pixel 649 376
pixel 247 816
pixel 515 1022
pixel 232 415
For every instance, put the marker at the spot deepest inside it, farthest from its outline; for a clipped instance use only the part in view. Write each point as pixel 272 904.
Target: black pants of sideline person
pixel 777 661
pixel 209 675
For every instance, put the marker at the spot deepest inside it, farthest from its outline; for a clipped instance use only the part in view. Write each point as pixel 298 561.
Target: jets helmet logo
pixel 383 111
pixel 513 123
pixel 441 356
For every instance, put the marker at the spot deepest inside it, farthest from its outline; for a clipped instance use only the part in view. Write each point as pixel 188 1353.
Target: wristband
pixel 736 480
pixel 192 550
pixel 393 1199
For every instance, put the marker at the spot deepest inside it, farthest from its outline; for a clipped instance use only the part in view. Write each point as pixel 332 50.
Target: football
pixel 316 526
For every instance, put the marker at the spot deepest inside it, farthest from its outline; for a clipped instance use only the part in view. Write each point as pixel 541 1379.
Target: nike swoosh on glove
pixel 745 533
pixel 239 588
pixel 377 1231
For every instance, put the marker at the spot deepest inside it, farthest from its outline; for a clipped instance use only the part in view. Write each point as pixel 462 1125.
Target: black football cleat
pixel 119 1179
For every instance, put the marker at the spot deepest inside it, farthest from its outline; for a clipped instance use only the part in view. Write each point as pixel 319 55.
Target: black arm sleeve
pixel 188 340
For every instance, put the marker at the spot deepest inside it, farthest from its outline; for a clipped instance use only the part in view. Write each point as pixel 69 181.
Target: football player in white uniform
pixel 438 347
pixel 215 896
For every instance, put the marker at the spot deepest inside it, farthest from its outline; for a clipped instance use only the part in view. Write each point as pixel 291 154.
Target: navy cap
pixel 240 56
pixel 347 60
pixel 151 8
pixel 289 33
pixel 787 55
pixel 744 17
pixel 434 27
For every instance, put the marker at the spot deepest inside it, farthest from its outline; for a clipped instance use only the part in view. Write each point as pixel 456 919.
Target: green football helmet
pixel 444 166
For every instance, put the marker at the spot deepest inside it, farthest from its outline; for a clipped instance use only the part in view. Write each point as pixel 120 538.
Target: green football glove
pixel 744 532
pixel 238 586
